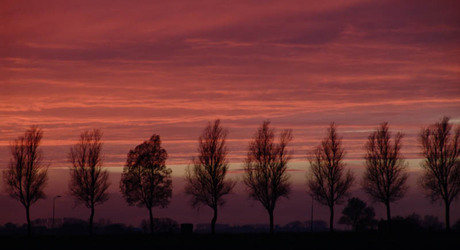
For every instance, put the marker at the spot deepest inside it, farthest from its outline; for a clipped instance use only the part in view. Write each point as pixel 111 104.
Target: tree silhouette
pixel 358 215
pixel 145 181
pixel 26 175
pixel 265 168
pixel 385 177
pixel 88 181
pixel 328 183
pixel 441 178
pixel 206 181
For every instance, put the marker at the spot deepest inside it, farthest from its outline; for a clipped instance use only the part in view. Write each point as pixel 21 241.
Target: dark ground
pixel 283 241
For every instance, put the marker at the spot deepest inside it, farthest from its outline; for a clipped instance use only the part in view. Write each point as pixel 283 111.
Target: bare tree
pixel 441 166
pixel 266 166
pixel 26 175
pixel 145 181
pixel 88 181
pixel 206 181
pixel 328 183
pixel 385 177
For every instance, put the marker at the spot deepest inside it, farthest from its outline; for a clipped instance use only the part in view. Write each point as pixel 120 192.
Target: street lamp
pixel 54 206
pixel 311 220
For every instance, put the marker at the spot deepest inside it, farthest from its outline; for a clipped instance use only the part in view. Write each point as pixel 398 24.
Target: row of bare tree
pixel 146 180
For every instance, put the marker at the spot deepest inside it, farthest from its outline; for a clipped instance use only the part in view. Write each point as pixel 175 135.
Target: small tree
pixel 26 175
pixel 385 176
pixel 328 183
pixel 358 215
pixel 88 181
pixel 441 149
pixel 265 168
pixel 145 181
pixel 206 181
pixel 432 223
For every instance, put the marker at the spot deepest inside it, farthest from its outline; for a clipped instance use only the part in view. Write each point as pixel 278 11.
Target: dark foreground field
pixel 410 241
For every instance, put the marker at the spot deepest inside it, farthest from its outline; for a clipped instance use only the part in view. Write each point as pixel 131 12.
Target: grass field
pixel 340 240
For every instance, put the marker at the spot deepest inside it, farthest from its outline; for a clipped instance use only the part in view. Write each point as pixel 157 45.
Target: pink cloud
pixel 134 69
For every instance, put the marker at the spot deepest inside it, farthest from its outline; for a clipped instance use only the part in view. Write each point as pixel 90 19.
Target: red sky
pixel 134 68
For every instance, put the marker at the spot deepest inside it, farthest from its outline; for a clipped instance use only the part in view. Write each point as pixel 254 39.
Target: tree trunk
pixel 213 221
pixel 331 220
pixel 447 216
pixel 270 213
pixel 387 204
pixel 29 225
pixel 91 217
pixel 151 220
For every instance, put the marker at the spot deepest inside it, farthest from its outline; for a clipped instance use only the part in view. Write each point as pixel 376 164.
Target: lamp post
pixel 311 220
pixel 54 206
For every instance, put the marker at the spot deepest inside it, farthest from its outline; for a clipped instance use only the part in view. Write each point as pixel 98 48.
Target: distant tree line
pixel 75 226
pixel 146 180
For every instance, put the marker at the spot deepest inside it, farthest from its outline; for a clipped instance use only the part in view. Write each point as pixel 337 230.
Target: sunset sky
pixel 137 68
